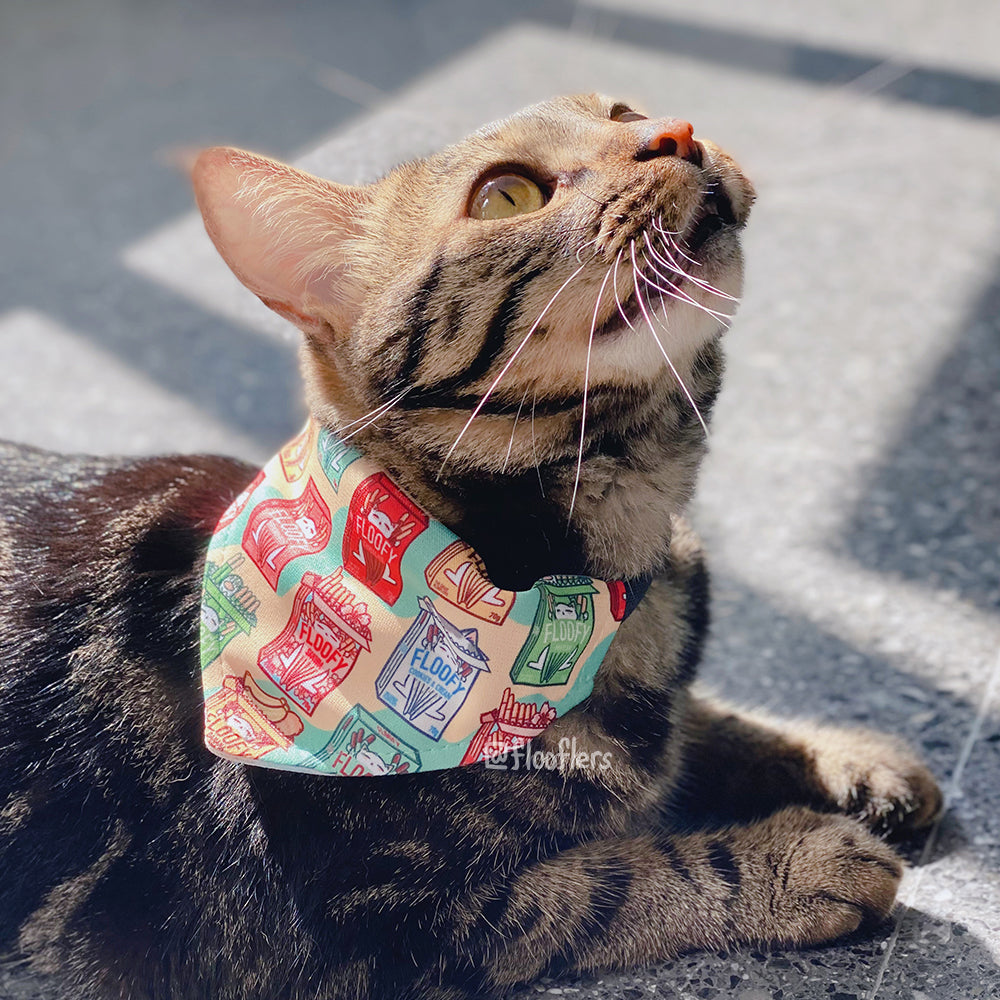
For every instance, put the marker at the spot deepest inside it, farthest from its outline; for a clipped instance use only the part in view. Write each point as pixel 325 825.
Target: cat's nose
pixel 670 137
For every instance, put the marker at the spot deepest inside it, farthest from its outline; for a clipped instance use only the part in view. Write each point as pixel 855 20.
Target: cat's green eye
pixel 506 195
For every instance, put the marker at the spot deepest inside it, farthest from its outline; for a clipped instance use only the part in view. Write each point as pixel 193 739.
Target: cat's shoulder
pixel 63 513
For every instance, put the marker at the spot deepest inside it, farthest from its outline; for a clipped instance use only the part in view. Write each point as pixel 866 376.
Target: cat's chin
pixel 635 355
pixel 637 343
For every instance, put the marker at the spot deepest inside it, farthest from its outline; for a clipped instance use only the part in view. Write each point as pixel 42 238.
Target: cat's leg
pixel 742 765
pixel 799 877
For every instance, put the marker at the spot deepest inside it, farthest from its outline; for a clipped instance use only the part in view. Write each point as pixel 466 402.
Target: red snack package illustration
pixel 320 644
pixel 237 507
pixel 616 591
pixel 295 454
pixel 235 723
pixel 512 724
pixel 280 530
pixel 381 523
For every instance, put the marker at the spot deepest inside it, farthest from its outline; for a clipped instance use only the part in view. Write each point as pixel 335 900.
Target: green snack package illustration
pixel 563 625
pixel 228 607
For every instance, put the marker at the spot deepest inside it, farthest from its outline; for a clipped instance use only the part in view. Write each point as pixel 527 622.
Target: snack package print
pixel 320 643
pixel 382 523
pixel 360 745
pixel 431 671
pixel 457 573
pixel 563 625
pixel 228 607
pixel 346 632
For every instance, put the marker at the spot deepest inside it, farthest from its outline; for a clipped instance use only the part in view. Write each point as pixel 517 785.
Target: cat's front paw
pixel 877 780
pixel 831 876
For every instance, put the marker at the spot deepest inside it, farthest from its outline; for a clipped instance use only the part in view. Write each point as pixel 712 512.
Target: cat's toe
pixel 833 878
pixel 895 800
pixel 879 781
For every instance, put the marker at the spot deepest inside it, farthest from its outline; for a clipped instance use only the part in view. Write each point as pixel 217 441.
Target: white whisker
pixel 510 444
pixel 534 454
pixel 377 412
pixel 583 247
pixel 666 357
pixel 505 369
pixel 375 415
pixel 618 301
pixel 586 386
pixel 668 235
pixel 680 296
pixel 672 265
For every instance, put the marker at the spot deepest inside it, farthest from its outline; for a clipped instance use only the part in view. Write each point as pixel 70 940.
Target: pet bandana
pixel 346 632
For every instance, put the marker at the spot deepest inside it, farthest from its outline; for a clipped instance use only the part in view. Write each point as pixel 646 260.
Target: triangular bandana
pixel 346 632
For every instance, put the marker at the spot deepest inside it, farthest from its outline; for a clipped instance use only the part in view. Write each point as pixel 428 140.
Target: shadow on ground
pixel 931 513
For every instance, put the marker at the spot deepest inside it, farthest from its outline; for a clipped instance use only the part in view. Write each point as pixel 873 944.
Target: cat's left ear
pixel 285 234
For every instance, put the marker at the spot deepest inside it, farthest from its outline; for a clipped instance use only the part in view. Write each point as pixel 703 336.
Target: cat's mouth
pixel 666 262
pixel 716 212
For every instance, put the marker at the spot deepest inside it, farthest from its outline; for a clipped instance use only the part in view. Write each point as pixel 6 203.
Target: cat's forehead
pixel 558 127
pixel 559 113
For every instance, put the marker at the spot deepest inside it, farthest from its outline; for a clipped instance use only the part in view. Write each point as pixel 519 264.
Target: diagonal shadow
pixel 931 512
pixel 934 87
pixel 97 89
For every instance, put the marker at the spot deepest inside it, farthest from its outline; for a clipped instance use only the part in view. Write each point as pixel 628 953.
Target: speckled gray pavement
pixel 851 502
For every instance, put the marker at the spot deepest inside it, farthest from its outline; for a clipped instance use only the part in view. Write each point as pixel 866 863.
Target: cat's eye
pixel 506 195
pixel 623 113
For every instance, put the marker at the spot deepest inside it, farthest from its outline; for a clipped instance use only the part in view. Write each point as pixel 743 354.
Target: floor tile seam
pixel 952 792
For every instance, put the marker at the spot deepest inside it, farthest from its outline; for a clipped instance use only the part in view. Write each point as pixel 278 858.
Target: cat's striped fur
pixel 137 865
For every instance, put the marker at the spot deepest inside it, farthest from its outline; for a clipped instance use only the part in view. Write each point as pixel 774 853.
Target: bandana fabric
pixel 346 632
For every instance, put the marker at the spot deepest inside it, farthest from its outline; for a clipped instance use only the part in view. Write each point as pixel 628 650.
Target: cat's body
pixel 142 866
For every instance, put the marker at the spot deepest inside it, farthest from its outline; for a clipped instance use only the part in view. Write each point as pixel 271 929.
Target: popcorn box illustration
pixel 320 644
pixel 237 507
pixel 511 724
pixel 381 523
pixel 335 456
pixel 282 529
pixel 228 607
pixel 457 573
pixel 235 723
pixel 296 453
pixel 431 672
pixel 563 625
pixel 361 745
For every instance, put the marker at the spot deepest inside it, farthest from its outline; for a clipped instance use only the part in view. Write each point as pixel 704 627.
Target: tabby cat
pixel 524 331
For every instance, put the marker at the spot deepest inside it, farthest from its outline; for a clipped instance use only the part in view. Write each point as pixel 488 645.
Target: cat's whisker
pixel 376 415
pixel 506 368
pixel 586 386
pixel 377 412
pixel 676 293
pixel 666 357
pixel 672 265
pixel 510 444
pixel 534 453
pixel 668 235
pixel 583 247
pixel 618 301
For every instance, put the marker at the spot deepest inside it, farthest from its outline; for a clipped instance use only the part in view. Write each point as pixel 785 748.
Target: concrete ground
pixel 851 502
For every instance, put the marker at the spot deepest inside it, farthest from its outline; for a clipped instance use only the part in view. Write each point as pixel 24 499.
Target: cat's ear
pixel 285 234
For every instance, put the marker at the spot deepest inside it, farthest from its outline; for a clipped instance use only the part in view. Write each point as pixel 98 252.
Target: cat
pixel 459 318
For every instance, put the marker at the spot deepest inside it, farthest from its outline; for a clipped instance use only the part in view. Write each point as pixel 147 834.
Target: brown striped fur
pixel 136 865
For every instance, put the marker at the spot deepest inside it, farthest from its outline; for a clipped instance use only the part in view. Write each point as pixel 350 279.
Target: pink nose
pixel 670 137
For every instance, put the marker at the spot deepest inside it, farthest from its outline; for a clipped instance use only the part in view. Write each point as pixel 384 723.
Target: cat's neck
pixel 638 471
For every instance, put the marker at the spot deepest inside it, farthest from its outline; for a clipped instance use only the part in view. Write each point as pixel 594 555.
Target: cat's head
pixel 575 243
